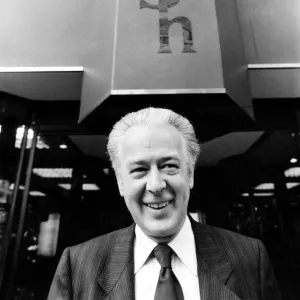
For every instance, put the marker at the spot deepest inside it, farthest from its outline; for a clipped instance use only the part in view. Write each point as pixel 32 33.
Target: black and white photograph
pixel 150 150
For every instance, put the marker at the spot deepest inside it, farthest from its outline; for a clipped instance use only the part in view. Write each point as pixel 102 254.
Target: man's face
pixel 154 179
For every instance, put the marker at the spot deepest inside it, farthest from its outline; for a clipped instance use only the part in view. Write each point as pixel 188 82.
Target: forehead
pixel 143 140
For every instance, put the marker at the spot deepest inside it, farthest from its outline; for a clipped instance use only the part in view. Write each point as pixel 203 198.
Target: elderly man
pixel 165 254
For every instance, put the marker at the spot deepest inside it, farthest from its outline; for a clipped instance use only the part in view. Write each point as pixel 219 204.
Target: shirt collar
pixel 143 246
pixel 186 253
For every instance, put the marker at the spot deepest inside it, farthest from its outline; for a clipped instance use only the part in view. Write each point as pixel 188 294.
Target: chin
pixel 162 235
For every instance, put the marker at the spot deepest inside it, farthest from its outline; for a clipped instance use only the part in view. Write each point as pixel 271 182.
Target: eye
pixel 138 170
pixel 170 167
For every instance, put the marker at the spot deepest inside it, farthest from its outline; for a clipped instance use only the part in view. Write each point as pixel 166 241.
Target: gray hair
pixel 157 116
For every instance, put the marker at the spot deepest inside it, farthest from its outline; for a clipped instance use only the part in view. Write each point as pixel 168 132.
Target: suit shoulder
pixel 84 262
pixel 97 245
pixel 241 251
pixel 232 243
pixel 227 234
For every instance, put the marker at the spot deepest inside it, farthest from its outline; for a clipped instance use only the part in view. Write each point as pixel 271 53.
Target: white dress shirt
pixel 184 264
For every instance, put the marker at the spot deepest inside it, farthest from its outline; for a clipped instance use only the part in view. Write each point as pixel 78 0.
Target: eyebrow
pixel 136 162
pixel 167 158
pixel 161 160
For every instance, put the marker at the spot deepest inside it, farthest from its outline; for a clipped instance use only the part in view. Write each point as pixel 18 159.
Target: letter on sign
pixel 165 24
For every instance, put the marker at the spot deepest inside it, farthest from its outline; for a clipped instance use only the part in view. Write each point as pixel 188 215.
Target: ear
pixel 191 179
pixel 120 184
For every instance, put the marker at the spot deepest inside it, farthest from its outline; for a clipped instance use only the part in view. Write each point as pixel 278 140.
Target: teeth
pixel 158 206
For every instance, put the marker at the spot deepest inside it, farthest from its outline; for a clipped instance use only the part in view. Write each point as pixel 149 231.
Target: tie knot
pixel 163 254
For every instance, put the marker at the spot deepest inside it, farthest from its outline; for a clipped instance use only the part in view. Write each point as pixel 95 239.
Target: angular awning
pixel 119 45
pixel 166 47
pixel 141 47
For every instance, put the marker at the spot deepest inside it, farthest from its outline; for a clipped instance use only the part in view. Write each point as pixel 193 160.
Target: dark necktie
pixel 168 287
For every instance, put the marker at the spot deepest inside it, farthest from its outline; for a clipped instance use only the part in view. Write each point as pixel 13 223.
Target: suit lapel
pixel 214 270
pixel 116 278
pixel 211 288
pixel 117 275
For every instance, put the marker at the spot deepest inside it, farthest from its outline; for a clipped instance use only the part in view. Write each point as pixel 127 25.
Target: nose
pixel 155 183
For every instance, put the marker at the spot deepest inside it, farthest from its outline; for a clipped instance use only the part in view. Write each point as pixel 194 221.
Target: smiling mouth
pixel 158 206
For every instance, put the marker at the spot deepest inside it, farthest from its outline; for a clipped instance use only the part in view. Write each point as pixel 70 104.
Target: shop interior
pixel 58 188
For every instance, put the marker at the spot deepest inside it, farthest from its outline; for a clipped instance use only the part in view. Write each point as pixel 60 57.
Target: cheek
pixel 180 185
pixel 133 191
pixel 183 192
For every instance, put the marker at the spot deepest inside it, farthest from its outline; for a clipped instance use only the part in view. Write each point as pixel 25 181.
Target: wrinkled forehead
pixel 154 134
pixel 140 139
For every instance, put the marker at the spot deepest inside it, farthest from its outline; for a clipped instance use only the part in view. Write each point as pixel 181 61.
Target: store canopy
pixel 92 50
pixel 167 47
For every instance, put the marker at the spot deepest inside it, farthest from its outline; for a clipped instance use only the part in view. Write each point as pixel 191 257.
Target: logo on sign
pixel 165 24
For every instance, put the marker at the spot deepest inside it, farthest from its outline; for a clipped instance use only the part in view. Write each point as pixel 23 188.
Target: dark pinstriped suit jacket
pixel 230 267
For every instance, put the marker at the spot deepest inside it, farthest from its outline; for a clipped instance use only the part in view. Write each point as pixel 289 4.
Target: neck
pixel 163 239
pixel 166 238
